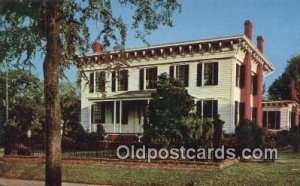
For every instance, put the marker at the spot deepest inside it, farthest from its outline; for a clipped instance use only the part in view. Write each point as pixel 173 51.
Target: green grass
pixel 285 171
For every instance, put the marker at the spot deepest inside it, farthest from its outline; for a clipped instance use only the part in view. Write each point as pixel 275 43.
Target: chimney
pixel 260 43
pixel 248 29
pixel 97 47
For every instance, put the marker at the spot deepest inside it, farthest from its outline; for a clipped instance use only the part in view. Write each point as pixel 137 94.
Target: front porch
pixel 122 116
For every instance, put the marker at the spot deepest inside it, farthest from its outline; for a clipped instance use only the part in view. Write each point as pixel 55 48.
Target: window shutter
pixel 141 79
pixel 126 80
pixel 254 85
pixel 103 81
pixel 265 119
pixel 186 75
pixel 171 73
pixel 242 76
pixel 215 108
pixel 92 113
pixel 199 74
pixel 102 120
pixel 199 108
pixel 216 73
pixel 237 75
pixel 254 114
pixel 236 104
pixel 277 116
pixel 155 77
pixel 113 81
pixel 91 83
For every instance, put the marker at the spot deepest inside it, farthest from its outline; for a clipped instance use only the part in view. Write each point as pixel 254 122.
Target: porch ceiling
pixel 139 94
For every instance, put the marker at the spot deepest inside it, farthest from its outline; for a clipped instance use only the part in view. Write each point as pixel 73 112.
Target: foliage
pixel 70 107
pixel 24 28
pixel 280 88
pixel 26 110
pixel 295 139
pixel 249 134
pixel 196 132
pixel 170 122
pixel 59 29
pixel 81 140
pixel 283 138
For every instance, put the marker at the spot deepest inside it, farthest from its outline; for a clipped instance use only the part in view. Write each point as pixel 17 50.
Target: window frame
pixel 100 87
pixel 180 72
pixel 201 74
pixel 214 108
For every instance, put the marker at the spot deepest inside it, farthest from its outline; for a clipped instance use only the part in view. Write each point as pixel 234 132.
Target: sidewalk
pixel 15 182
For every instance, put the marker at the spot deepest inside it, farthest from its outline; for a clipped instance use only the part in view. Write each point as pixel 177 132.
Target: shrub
pixel 283 138
pixel 23 150
pixel 295 139
pixel 249 134
pixel 197 132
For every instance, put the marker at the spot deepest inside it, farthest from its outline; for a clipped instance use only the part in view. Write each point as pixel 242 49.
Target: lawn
pixel 285 171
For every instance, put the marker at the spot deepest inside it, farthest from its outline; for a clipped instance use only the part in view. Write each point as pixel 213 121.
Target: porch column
pixel 260 79
pixel 296 111
pixel 115 118
pixel 258 98
pixel 120 116
pixel 246 91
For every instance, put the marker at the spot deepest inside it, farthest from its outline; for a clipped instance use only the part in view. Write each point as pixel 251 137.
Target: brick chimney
pixel 97 47
pixel 260 43
pixel 248 29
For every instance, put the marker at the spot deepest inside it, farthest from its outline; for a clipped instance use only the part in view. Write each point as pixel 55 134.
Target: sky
pixel 278 21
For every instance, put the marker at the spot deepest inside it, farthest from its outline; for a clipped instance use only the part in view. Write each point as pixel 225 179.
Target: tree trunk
pixel 51 80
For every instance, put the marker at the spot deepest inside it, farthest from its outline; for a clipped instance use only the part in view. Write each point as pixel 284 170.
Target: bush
pixel 23 150
pixel 190 131
pixel 295 139
pixel 283 138
pixel 249 134
pixel 197 132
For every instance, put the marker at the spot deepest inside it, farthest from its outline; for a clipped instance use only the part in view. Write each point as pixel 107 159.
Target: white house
pixel 224 75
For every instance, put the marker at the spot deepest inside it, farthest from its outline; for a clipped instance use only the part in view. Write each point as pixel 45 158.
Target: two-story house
pixel 224 75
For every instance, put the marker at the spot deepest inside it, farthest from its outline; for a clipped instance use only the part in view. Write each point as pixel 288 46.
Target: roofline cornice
pixel 218 44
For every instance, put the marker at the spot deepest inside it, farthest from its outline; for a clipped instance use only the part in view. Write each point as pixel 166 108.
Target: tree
pixel 70 106
pixel 169 106
pixel 25 106
pixel 59 29
pixel 281 87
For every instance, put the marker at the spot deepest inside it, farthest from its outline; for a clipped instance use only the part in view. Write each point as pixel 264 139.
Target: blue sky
pixel 276 20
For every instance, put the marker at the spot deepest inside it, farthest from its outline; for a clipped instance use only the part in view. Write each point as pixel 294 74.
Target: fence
pixel 107 151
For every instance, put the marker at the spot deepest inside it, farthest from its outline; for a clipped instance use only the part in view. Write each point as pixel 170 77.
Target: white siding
pixel 225 92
